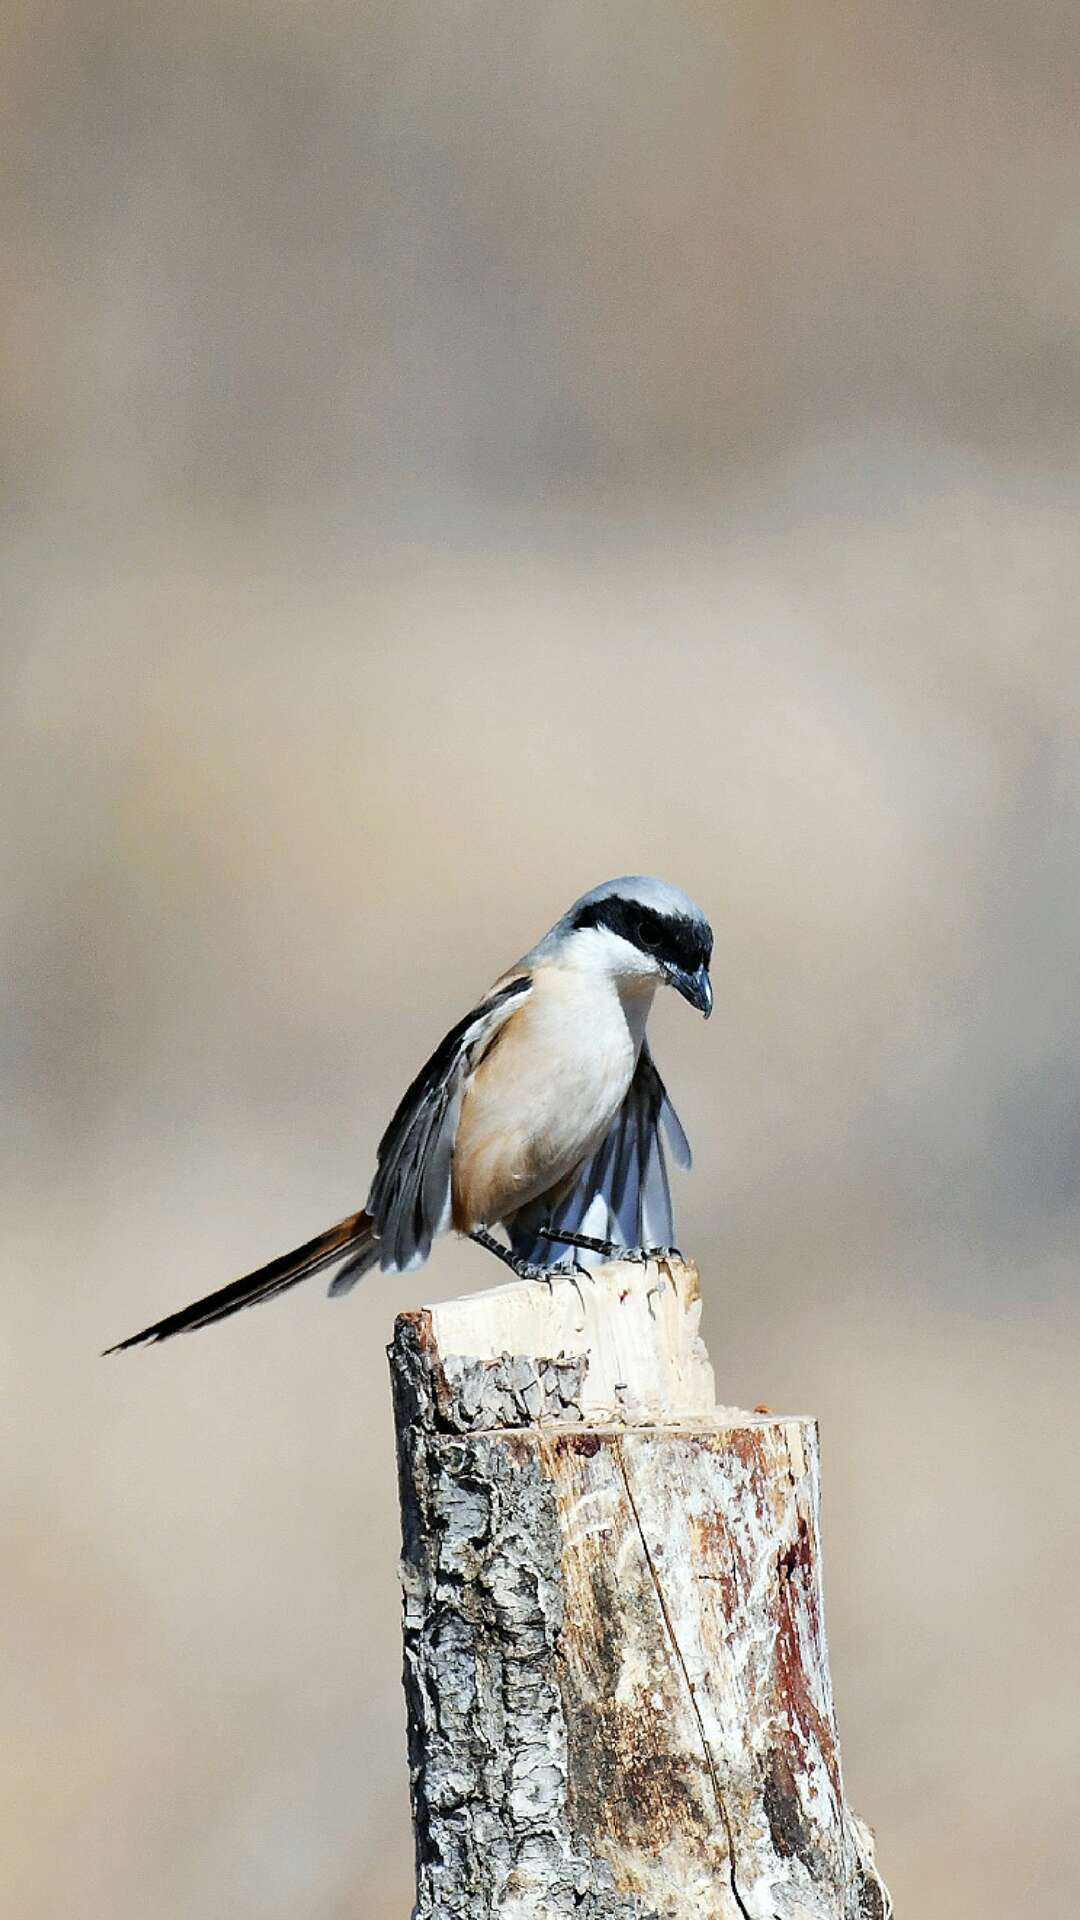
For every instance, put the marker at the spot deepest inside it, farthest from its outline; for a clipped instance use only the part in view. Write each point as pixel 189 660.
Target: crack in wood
pixel 669 1627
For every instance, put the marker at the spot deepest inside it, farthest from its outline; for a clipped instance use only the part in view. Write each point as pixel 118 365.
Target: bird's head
pixel 640 929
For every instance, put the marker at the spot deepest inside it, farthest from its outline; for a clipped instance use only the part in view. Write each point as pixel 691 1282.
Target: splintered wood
pixel 616 1676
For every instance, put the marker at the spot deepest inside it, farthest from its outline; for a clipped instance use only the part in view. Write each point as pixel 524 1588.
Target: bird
pixel 541 1111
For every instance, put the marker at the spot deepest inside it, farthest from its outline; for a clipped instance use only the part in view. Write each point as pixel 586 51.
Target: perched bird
pixel 540 1112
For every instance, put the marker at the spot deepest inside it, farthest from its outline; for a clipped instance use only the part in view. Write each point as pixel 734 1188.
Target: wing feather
pixel 410 1194
pixel 623 1191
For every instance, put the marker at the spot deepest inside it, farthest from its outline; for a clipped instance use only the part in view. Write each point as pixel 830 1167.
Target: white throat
pixel 636 996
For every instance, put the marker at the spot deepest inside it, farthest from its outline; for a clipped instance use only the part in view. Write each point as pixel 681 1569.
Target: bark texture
pixel 618 1693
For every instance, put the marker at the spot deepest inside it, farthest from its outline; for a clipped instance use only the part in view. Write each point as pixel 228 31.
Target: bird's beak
pixel 695 987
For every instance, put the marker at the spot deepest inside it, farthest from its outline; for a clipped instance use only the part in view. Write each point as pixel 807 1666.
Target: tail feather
pixel 358 1263
pixel 354 1236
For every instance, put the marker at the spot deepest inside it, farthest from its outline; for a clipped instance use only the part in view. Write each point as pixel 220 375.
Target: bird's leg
pixel 583 1240
pixel 571 1264
pixel 609 1248
pixel 524 1269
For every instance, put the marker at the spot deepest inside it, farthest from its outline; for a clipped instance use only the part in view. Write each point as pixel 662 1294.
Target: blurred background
pixel 454 455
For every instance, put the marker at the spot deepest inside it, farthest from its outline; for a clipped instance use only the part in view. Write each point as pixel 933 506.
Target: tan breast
pixel 544 1096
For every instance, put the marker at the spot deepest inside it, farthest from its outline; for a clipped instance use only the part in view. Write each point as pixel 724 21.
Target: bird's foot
pixel 523 1268
pixel 567 1269
pixel 610 1249
pixel 642 1256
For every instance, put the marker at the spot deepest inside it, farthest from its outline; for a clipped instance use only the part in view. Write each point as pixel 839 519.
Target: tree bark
pixel 619 1703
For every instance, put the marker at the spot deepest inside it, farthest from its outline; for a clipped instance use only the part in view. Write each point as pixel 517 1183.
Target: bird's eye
pixel 648 935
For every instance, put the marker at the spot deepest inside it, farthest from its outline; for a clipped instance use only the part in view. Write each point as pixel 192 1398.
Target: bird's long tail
pixel 353 1238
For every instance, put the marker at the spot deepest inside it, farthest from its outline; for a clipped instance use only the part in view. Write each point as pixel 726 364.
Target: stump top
pixel 617 1347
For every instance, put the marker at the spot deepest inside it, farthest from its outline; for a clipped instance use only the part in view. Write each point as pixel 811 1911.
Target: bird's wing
pixel 622 1192
pixel 410 1198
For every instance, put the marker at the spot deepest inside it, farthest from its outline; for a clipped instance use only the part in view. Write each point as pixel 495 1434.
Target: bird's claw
pixel 562 1270
pixel 526 1270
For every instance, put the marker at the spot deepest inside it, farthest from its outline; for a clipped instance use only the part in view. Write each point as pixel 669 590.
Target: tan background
pixel 455 454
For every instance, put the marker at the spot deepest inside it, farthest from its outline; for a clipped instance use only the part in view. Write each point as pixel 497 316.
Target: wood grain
pixel 616 1675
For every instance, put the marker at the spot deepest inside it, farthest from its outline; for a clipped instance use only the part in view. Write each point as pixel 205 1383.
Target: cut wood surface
pixel 617 1684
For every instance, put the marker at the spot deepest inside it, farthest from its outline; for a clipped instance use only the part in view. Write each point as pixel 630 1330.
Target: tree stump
pixel 619 1703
